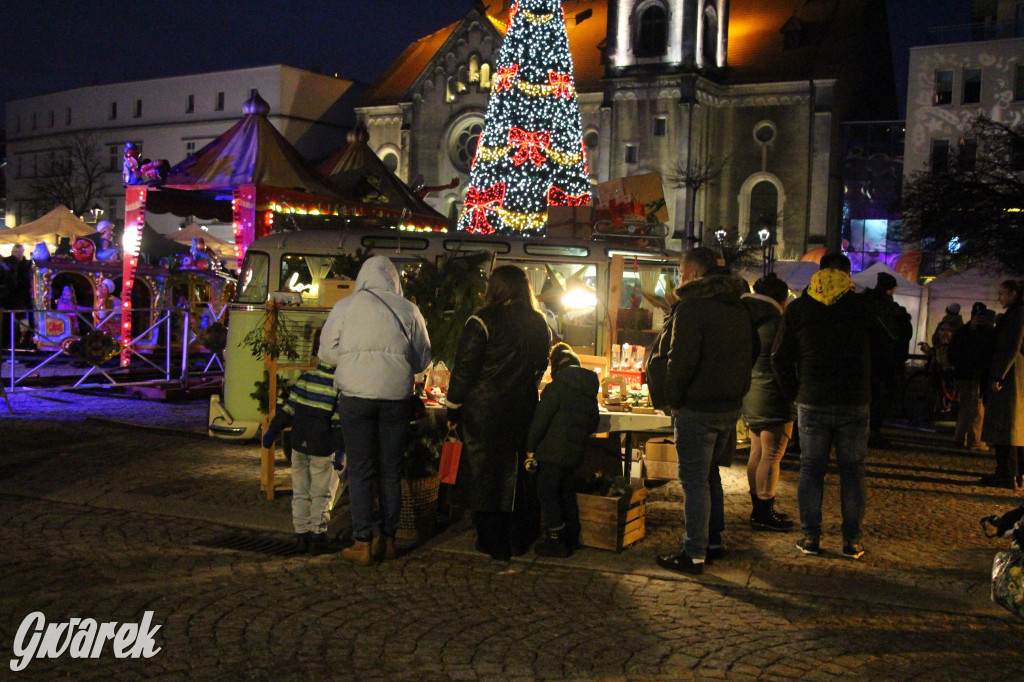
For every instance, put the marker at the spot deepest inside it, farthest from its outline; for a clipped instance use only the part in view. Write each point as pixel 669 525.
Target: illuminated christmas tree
pixel 531 153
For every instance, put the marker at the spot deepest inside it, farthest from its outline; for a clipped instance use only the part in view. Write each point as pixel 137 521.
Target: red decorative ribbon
pixel 558 197
pixel 512 12
pixel 505 78
pixel 530 145
pixel 561 84
pixel 481 201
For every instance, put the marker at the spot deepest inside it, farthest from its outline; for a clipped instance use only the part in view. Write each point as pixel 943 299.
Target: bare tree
pixel 73 175
pixel 693 175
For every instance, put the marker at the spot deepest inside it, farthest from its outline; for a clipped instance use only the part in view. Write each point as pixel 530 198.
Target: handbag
pixel 451 453
pixel 1008 581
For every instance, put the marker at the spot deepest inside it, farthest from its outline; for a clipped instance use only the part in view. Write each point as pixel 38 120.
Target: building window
pixel 35 121
pixel 967 155
pixel 138 108
pixel 190 104
pixel 67 116
pixel 114 152
pixel 1017 154
pixel 764 132
pixel 220 102
pixel 390 160
pixel 943 88
pixel 113 111
pixel 652 36
pixel 764 209
pixel 660 126
pixel 190 148
pixel 463 142
pixel 709 40
pixel 1018 83
pixel 940 156
pixel 632 153
pixel 972 86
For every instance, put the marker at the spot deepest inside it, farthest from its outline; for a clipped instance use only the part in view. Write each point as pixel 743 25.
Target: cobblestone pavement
pixel 104 520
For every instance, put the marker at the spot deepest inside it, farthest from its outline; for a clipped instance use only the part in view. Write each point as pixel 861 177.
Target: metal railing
pixel 165 349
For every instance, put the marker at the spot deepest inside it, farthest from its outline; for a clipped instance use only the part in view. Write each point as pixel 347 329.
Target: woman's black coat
pixel 492 395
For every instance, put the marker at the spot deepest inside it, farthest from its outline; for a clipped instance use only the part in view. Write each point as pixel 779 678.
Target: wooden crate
pixel 612 522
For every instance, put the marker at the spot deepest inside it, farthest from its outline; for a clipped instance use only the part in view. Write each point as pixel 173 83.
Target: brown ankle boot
pixel 359 553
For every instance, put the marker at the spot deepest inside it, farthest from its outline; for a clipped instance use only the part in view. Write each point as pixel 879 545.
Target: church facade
pixel 742 98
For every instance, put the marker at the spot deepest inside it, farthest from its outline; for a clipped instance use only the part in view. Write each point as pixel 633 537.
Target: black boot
pixel 553 544
pixel 765 518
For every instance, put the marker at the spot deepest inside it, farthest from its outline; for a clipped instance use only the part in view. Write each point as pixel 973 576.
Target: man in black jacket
pixel 888 363
pixel 822 358
pixel 712 351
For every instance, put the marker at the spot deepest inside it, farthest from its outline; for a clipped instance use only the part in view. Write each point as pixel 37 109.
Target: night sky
pixel 47 46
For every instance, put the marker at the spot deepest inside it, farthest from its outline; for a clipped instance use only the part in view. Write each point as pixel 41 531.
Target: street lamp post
pixel 720 235
pixel 767 250
pixel 96 211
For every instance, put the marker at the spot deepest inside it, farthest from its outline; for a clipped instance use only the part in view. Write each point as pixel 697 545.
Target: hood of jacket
pixel 828 286
pixel 379 274
pixel 761 307
pixel 711 286
pixel 579 379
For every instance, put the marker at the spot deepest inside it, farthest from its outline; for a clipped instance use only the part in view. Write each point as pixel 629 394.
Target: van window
pixel 552 250
pixel 464 246
pixel 252 285
pixel 397 243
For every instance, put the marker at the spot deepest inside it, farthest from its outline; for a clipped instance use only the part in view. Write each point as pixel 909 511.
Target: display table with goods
pixel 625 427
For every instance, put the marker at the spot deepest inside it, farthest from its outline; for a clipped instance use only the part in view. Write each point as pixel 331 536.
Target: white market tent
pixel 796 274
pixel 60 222
pixel 224 249
pixel 965 288
pixel 908 294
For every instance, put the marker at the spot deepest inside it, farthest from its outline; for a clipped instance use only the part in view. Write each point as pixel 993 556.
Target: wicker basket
pixel 419 510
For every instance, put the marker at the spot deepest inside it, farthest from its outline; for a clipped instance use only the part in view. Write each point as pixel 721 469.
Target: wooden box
pixel 661 450
pixel 333 290
pixel 612 522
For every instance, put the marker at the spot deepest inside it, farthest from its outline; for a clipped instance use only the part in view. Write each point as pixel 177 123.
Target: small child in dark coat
pixel 311 411
pixel 566 415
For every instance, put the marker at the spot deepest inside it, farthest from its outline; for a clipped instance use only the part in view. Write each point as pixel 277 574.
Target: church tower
pixel 667 34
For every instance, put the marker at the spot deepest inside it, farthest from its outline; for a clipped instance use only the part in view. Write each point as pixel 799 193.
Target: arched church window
pixel 590 140
pixel 709 46
pixel 764 209
pixel 652 33
pixel 474 68
pixel 390 160
pixel 463 141
pixel 485 76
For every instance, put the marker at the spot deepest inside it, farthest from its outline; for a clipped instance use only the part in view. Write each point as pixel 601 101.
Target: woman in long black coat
pixel 492 394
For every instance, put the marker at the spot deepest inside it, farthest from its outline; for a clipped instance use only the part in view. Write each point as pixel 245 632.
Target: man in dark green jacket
pixel 566 415
pixel 712 352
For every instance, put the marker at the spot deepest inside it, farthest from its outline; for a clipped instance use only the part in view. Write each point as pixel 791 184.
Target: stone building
pixel 165 118
pixel 756 88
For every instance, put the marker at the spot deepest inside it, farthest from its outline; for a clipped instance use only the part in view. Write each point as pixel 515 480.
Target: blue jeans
pixel 703 441
pixel 375 434
pixel 821 427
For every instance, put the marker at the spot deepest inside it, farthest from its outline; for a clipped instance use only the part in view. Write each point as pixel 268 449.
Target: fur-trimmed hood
pixel 712 286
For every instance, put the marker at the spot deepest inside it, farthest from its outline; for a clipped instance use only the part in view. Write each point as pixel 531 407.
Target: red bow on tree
pixel 558 197
pixel 561 84
pixel 530 145
pixel 505 78
pixel 481 201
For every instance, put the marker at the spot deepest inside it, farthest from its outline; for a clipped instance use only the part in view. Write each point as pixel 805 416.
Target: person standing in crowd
pixel 1003 427
pixel 18 297
pixel 711 354
pixel 823 357
pixel 377 341
pixel 767 412
pixel 311 411
pixel 943 333
pixel 492 394
pixel 891 357
pixel 566 415
pixel 970 353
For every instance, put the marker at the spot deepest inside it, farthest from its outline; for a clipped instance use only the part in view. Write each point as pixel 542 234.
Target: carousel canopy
pixel 60 222
pixel 251 152
pixel 361 176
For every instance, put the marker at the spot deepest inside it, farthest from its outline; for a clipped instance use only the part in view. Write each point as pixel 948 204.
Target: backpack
pixel 656 365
